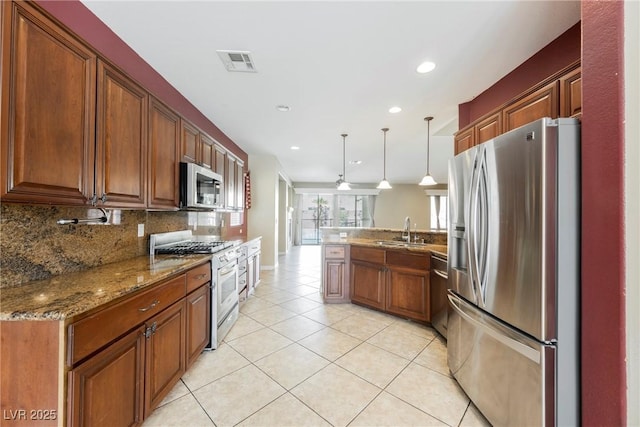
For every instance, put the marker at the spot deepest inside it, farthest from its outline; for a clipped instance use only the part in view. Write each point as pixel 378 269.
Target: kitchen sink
pixel 398 244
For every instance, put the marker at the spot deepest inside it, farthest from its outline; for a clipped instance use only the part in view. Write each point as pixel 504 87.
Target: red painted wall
pixel 557 55
pixel 603 316
pixel 85 24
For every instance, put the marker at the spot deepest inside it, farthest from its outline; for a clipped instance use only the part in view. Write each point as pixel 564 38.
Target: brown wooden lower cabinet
pixel 368 284
pixel 408 293
pixel 122 383
pixel 108 389
pixel 165 354
pixel 396 281
pixel 198 325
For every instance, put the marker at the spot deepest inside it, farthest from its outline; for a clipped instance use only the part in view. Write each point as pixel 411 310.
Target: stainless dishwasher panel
pixel 438 298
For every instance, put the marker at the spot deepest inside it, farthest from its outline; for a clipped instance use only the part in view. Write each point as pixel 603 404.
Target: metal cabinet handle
pixel 441 274
pixel 153 304
pixel 200 276
pixel 103 199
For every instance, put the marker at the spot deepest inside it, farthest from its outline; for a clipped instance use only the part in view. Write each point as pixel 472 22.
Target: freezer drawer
pixel 507 375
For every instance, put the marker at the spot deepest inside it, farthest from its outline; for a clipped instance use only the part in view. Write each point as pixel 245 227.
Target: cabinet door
pixel 48 127
pixel 408 293
pixel 164 135
pixel 189 143
pixel 198 322
pixel 239 184
pixel 108 389
pixel 230 183
pixel 121 146
pixel 488 128
pixel 335 286
pixel 541 103
pixel 367 284
pixel 571 94
pixel 165 354
pixel 206 151
pixel 464 140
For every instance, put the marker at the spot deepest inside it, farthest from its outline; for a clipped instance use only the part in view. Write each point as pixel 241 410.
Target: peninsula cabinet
pixel 394 281
pixel 368 276
pixel 48 103
pixel 408 285
pixel 164 143
pixel 335 273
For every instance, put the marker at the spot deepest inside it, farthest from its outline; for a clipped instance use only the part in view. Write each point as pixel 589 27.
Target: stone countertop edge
pixel 438 249
pixel 65 296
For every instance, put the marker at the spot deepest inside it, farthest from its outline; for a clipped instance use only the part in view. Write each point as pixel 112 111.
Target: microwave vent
pixel 237 61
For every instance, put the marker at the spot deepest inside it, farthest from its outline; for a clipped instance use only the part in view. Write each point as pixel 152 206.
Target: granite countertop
pixel 389 244
pixel 62 297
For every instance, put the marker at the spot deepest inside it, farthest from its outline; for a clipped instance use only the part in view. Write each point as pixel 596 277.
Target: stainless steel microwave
pixel 200 188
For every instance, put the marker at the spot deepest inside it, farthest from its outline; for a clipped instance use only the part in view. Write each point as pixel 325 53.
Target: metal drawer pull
pixel 153 304
pixel 200 276
pixel 441 274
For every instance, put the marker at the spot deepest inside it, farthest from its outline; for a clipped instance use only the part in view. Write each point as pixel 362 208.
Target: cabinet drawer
pixel 408 260
pixel 88 335
pixel 253 248
pixel 372 255
pixel 331 251
pixel 198 276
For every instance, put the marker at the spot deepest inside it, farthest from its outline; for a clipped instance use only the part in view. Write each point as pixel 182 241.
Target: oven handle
pixel 227 271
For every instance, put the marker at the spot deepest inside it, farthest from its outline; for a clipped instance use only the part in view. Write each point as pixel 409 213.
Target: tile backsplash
pixel 33 246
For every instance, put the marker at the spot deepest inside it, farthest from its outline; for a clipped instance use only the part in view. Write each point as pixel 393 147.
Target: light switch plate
pixel 343 235
pixel 140 230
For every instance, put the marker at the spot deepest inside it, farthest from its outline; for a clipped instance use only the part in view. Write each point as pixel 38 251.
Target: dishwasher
pixel 439 304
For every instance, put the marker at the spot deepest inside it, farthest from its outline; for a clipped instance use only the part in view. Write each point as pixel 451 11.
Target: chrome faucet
pixel 406 232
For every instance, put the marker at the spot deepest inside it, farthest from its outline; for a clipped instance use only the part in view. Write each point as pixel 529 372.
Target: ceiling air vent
pixel 237 61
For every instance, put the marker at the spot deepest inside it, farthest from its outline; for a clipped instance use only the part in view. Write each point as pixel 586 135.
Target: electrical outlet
pixel 140 230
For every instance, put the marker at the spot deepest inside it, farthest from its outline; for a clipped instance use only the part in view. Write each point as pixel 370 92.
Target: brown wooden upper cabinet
pixel 48 130
pixel 571 94
pixel 206 151
pixel 541 103
pixel 558 96
pixel 488 128
pixel 190 142
pixel 121 145
pixel 164 139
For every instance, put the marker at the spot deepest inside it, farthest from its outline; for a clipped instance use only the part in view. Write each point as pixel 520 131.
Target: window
pixel 331 210
pixel 439 207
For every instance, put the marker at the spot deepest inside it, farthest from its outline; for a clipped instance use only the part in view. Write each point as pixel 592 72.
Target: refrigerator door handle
pixel 493 329
pixel 472 225
pixel 482 236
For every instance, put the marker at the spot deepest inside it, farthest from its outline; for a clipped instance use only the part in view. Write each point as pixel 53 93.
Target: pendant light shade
pixel 341 183
pixel 428 179
pixel 384 184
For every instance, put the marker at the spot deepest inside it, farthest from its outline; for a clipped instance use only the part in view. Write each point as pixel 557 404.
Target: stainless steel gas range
pixel 224 274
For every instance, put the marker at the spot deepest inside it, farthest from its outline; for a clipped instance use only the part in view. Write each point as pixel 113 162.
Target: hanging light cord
pixel 384 154
pixel 344 173
pixel 428 119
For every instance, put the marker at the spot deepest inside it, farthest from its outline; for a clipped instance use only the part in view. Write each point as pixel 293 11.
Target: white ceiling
pixel 339 66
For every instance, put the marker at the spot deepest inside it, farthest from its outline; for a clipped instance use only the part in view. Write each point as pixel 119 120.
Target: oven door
pixel 227 284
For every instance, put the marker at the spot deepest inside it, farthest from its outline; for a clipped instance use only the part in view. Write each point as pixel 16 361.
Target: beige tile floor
pixel 292 361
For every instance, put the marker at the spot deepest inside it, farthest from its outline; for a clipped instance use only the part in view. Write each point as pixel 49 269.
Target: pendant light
pixel 428 179
pixel 342 183
pixel 384 184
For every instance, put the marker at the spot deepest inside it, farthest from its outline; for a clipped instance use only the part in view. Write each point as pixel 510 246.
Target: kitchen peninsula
pixel 375 268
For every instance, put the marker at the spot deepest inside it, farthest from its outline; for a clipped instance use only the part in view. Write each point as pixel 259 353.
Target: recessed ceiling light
pixel 425 67
pixel 394 110
pixel 283 108
pixel 295 147
pixel 355 162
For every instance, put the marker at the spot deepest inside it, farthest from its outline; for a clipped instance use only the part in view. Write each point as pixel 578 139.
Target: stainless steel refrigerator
pixel 514 274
